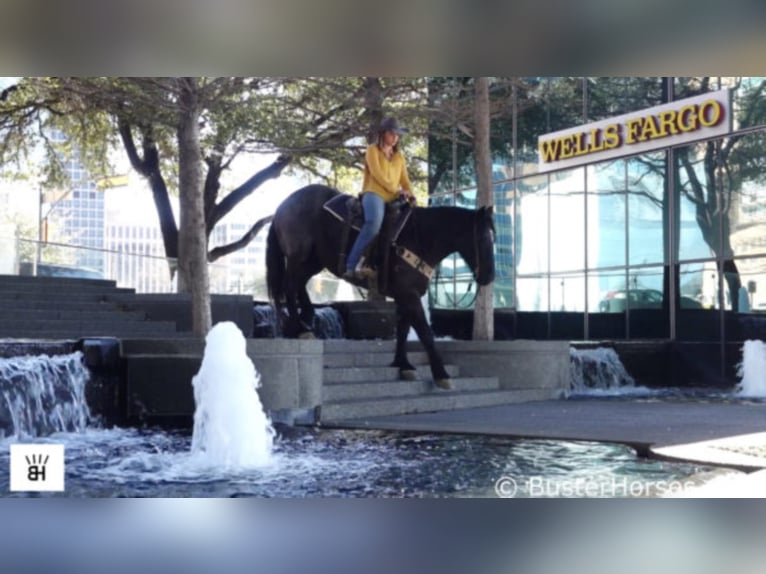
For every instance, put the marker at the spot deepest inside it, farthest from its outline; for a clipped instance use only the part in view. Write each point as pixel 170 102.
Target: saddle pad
pixel 340 205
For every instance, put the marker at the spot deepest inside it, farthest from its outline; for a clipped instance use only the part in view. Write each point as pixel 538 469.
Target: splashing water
pixel 598 370
pixel 230 427
pixel 40 395
pixel 752 370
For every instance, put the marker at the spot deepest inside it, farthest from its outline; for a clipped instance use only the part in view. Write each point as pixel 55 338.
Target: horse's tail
pixel 275 267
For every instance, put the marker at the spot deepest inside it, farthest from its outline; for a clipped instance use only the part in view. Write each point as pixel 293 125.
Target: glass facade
pixel 667 244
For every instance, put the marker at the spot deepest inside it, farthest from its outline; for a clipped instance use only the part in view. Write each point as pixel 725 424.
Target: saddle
pixel 348 210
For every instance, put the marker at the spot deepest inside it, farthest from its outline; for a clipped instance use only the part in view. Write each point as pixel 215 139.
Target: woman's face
pixel 390 138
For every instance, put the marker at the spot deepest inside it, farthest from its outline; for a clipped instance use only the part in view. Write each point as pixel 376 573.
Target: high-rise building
pixel 76 216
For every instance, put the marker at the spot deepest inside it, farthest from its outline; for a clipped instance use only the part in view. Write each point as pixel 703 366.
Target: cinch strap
pixel 414 261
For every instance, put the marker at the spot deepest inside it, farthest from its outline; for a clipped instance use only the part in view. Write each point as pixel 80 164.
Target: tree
pixel 311 121
pixel 713 173
pixel 483 314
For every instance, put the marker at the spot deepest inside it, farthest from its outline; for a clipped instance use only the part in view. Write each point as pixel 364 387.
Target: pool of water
pixel 668 394
pixel 337 463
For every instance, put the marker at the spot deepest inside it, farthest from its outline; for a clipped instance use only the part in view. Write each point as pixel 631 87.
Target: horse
pixel 304 238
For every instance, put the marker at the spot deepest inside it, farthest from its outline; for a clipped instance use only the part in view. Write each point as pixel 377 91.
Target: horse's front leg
pixel 406 371
pixel 414 309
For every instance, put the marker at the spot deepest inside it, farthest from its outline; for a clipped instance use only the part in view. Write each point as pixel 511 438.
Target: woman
pixel 385 179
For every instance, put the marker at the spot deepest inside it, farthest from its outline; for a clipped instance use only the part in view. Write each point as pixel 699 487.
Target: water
pixel 336 463
pixel 234 451
pixel 752 370
pixel 231 428
pixel 328 323
pixel 43 394
pixel 599 372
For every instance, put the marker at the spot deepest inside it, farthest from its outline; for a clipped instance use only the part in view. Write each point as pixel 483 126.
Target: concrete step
pixel 61 305
pixel 62 288
pixel 85 295
pixel 384 389
pixel 375 359
pixel 362 374
pixel 34 280
pixel 345 346
pixel 75 334
pixel 55 329
pixel 335 412
pixel 69 314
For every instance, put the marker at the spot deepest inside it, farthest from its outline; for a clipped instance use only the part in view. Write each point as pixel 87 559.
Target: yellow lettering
pixel 632 126
pixel 711 113
pixel 667 123
pixel 580 148
pixel 595 142
pixel 567 149
pixel 550 149
pixel 612 136
pixel 649 129
pixel 687 119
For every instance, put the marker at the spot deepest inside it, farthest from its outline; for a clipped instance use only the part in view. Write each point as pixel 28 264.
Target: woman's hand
pixel 407 195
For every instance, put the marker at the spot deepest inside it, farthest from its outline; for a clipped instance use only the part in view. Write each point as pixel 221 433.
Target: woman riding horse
pixel 304 238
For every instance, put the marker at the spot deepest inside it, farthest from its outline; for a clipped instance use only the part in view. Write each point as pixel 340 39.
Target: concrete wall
pixel 158 377
pixel 291 372
pixel 517 364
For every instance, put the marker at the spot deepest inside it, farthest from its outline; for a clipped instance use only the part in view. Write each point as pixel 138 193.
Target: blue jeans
pixel 374 208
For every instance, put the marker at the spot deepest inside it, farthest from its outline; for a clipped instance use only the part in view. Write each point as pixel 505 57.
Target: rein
pixel 421 265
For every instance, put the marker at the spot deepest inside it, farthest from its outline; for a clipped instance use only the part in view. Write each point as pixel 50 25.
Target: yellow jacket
pixel 383 176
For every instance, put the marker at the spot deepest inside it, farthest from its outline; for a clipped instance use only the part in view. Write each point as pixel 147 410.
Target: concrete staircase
pixel 63 308
pixel 358 383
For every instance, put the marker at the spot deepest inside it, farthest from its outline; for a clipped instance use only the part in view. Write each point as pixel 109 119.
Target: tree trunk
pixel 193 275
pixel 483 313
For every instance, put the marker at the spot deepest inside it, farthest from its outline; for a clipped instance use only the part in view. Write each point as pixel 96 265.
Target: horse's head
pixel 480 253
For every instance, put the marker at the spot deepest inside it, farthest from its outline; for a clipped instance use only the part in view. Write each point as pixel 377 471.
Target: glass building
pixel 665 244
pixel 78 213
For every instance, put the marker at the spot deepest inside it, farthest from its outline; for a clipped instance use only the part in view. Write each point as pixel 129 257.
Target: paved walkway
pixel 724 434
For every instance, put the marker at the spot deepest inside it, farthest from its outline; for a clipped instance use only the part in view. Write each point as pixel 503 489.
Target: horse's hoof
pixel 445 384
pixel 408 375
pixel 307 335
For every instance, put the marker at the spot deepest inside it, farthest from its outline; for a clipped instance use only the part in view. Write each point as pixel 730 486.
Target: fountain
pixel 752 370
pixel 234 451
pixel 230 426
pixel 598 371
pixel 43 394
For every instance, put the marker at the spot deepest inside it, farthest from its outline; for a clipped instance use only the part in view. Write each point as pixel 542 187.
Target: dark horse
pixel 304 239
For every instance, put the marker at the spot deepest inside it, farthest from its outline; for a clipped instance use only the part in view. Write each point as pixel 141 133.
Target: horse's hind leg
pixel 301 322
pixel 406 371
pixel 307 309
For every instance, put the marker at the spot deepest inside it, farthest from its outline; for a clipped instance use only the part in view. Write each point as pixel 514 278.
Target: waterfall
pixel 597 369
pixel 328 323
pixel 40 395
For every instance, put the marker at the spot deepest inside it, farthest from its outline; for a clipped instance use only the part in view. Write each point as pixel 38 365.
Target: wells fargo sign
pixel 701 117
